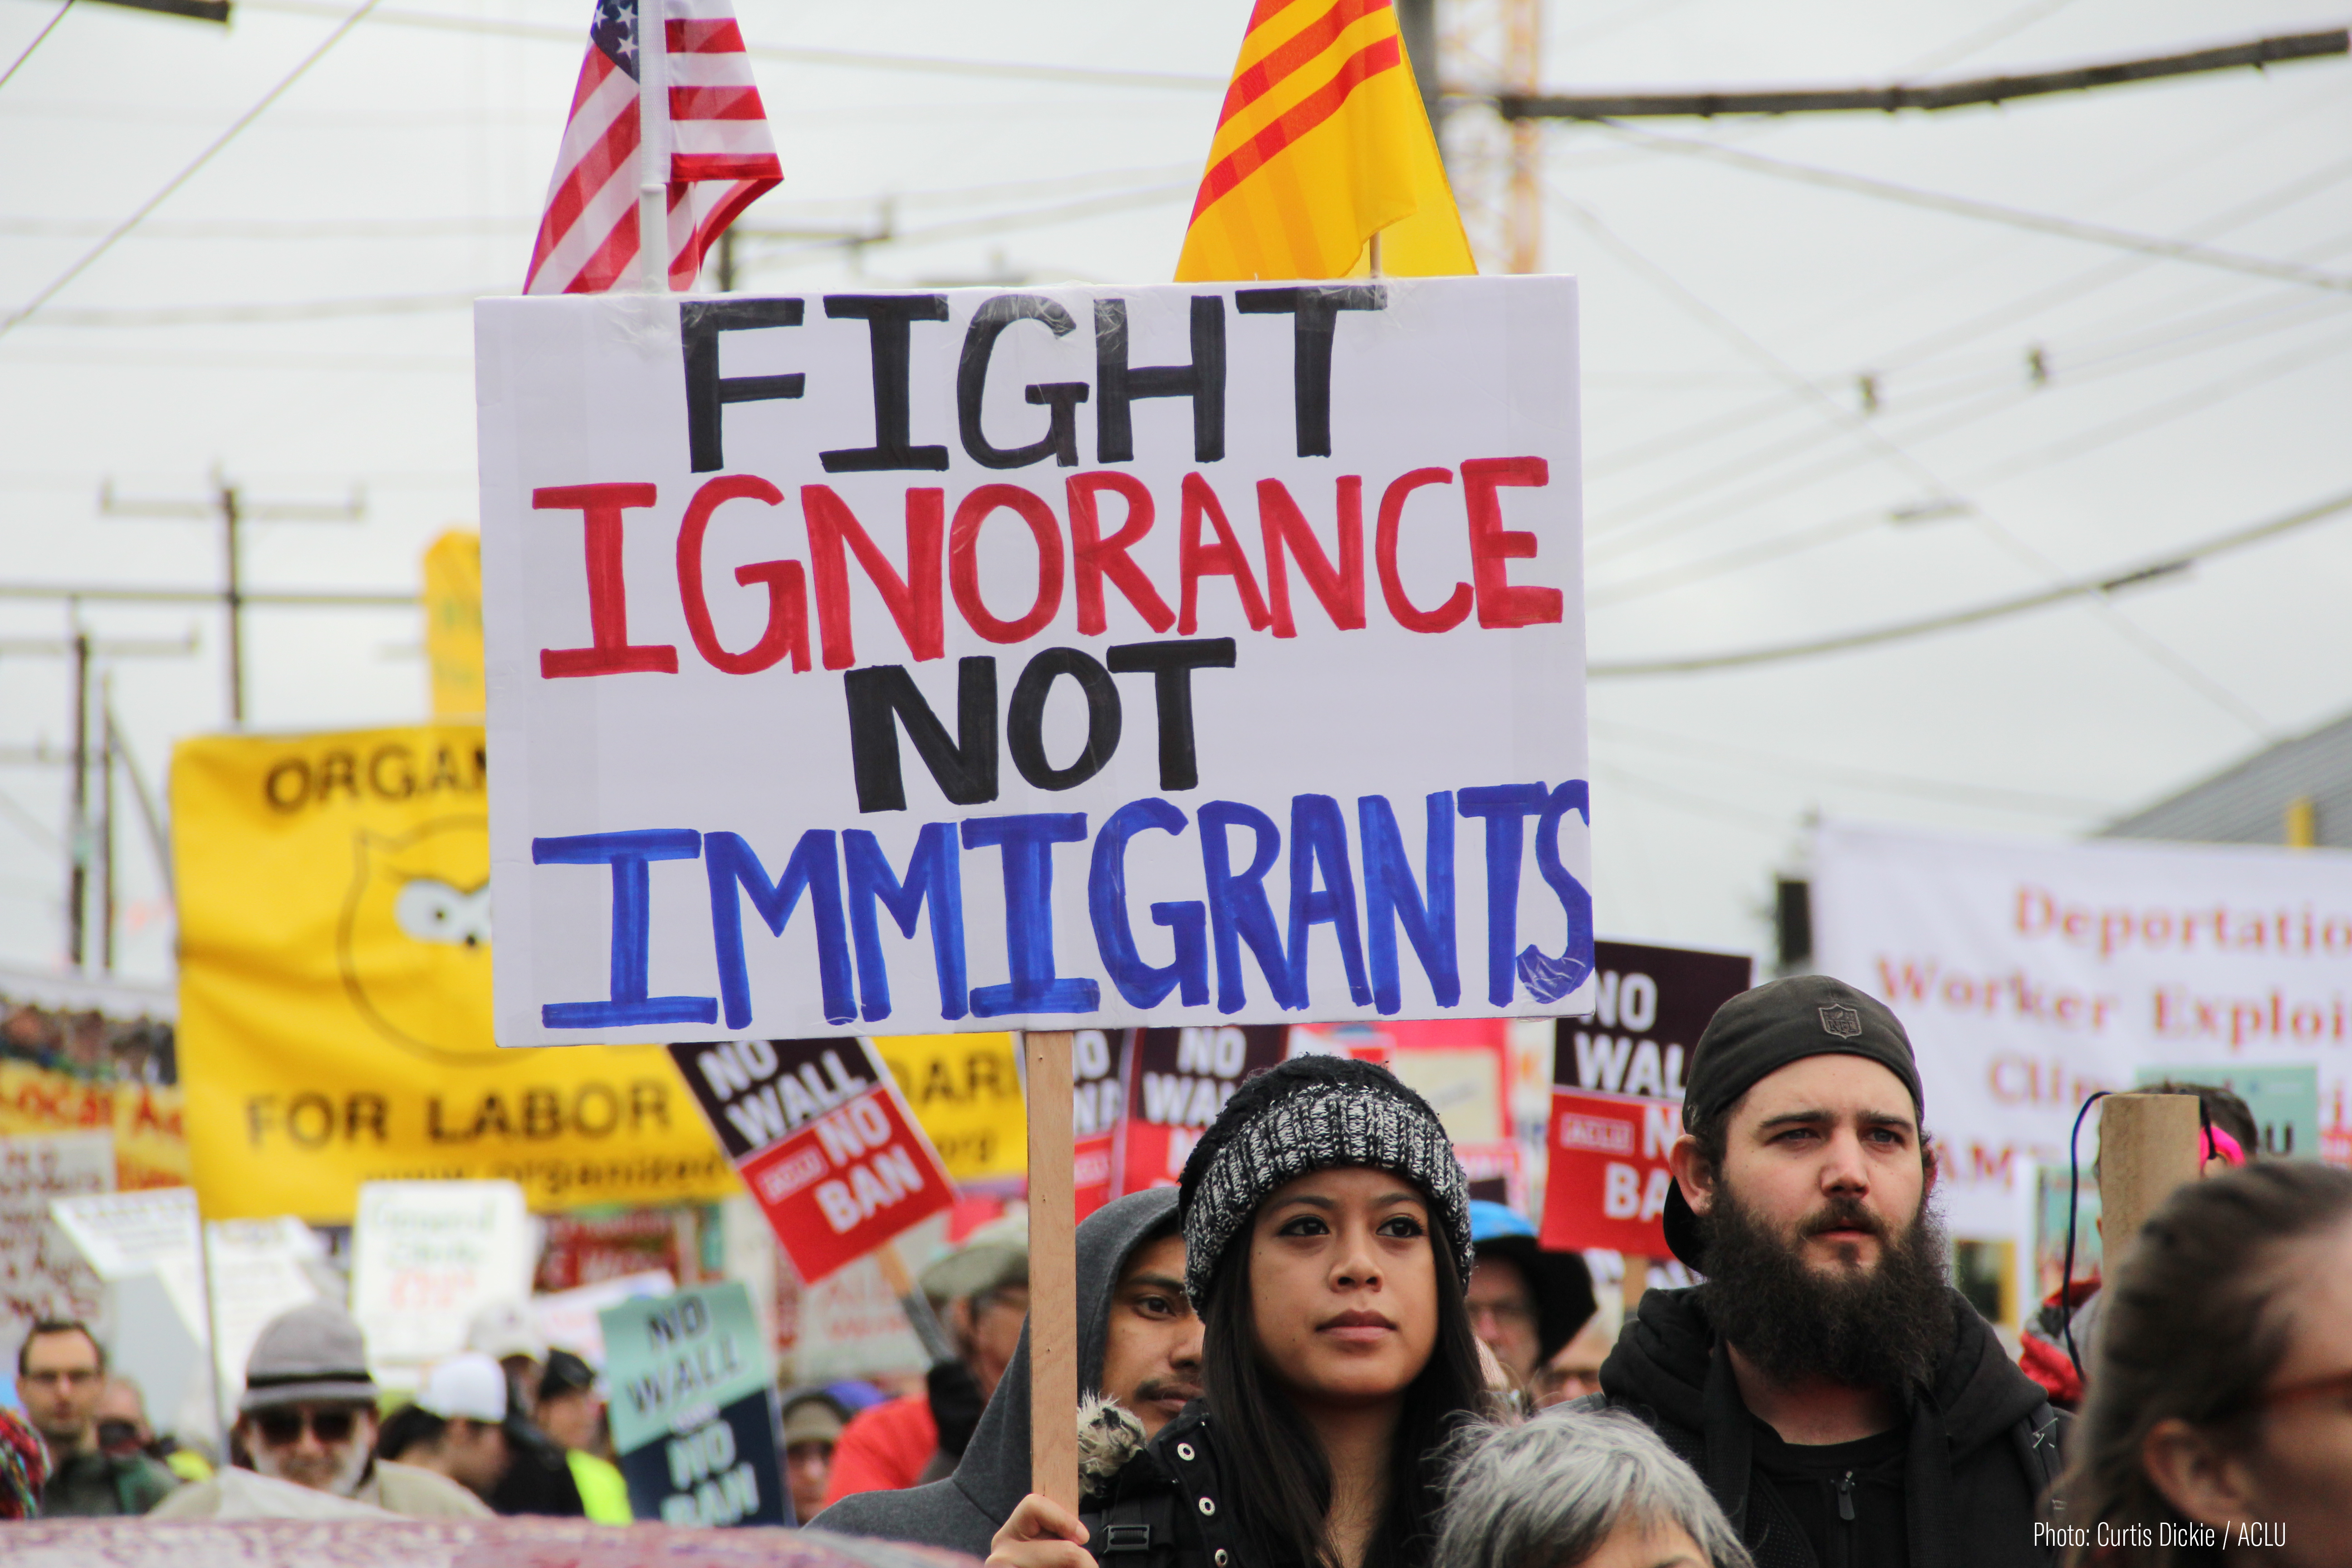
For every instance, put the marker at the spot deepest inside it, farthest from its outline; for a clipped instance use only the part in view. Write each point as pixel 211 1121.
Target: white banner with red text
pixel 2030 975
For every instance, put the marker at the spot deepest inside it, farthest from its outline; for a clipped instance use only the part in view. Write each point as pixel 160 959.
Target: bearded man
pixel 1842 1401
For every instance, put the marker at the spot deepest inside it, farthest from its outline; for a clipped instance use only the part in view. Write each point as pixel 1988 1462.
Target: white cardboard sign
pixel 426 1256
pixel 1083 656
pixel 2030 976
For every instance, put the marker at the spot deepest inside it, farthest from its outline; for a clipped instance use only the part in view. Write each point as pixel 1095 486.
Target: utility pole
pixel 77 822
pixel 228 504
pixel 87 845
pixel 105 822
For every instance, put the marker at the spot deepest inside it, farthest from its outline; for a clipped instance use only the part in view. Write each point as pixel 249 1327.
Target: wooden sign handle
pixel 2149 1145
pixel 1052 1273
pixel 1635 1283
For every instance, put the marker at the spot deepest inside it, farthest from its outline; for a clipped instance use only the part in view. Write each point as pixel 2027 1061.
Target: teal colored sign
pixel 672 1361
pixel 2284 1100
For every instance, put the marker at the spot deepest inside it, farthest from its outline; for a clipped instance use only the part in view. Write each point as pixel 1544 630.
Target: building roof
pixel 2249 802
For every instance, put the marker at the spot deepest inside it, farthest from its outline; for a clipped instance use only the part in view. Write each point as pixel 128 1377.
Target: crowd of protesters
pixel 1318 1352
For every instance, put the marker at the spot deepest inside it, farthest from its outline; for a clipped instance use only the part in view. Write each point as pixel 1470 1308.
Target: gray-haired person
pixel 1574 1490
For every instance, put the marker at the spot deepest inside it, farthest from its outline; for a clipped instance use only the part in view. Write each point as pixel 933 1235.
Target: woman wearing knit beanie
pixel 1328 1240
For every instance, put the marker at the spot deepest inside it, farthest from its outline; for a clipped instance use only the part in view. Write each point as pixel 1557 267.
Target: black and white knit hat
pixel 1311 1113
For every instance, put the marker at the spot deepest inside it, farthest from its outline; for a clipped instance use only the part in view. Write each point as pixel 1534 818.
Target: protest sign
pixel 426 1256
pixel 335 995
pixel 1098 1097
pixel 1650 1005
pixel 1178 1082
pixel 41 1273
pixel 823 1141
pixel 570 1320
pixel 452 623
pixel 1617 1092
pixel 1256 693
pixel 151 1147
pixel 2284 1100
pixel 2031 975
pixel 145 1246
pixel 1609 1177
pixel 257 1268
pixel 693 1409
pixel 965 1090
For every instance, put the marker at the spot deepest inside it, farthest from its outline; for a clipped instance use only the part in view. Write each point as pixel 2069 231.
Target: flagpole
pixel 653 145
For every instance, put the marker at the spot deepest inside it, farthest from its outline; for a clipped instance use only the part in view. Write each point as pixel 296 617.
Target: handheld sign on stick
pixel 1616 1100
pixel 821 1137
pixel 2149 1145
pixel 693 1408
pixel 1052 1273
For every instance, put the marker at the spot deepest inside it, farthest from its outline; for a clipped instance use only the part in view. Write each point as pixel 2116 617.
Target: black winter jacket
pixel 1981 1443
pixel 1165 1507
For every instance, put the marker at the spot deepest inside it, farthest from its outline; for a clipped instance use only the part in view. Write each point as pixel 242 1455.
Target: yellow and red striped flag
pixel 1323 143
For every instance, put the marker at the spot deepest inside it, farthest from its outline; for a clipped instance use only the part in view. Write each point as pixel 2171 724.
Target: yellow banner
pixel 452 623
pixel 966 1091
pixel 335 995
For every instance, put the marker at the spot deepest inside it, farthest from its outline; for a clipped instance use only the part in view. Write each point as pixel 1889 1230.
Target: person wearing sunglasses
pixel 306 1420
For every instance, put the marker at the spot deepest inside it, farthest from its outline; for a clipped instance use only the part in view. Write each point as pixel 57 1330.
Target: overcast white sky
pixel 1737 495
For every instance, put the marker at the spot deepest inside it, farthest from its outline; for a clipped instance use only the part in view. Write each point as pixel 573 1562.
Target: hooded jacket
pixel 964 1512
pixel 1980 1440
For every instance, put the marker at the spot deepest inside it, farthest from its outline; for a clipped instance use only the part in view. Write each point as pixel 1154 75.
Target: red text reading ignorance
pixel 1108 515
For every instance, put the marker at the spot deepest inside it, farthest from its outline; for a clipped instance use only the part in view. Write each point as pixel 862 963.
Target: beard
pixel 1883 1327
pixel 339 1472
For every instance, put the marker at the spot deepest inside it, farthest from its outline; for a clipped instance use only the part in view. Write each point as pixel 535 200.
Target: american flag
pixel 721 158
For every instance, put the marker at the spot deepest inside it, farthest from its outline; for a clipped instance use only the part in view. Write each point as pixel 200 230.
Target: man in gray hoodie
pixel 1138 1343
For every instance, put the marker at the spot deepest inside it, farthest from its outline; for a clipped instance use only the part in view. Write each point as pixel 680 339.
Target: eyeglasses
pixel 283 1429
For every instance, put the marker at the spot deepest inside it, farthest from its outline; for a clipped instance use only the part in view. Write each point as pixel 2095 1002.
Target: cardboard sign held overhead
pixel 1074 657
pixel 818 1131
pixel 1617 1093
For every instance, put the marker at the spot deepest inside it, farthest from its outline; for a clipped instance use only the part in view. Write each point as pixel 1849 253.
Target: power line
pixel 176 181
pixel 2261 53
pixel 858 60
pixel 1756 821
pixel 2027 800
pixel 409 304
pixel 2157 246
pixel 1617 545
pixel 2097 588
pixel 46 28
pixel 1678 443
pixel 2015 22
pixel 1781 546
pixel 1985 396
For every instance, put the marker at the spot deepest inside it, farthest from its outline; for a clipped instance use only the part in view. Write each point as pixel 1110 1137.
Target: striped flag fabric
pixel 721 157
pixel 1322 143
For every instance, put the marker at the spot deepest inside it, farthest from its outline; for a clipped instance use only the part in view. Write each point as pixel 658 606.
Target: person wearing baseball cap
pixel 458 1427
pixel 1840 1400
pixel 306 1420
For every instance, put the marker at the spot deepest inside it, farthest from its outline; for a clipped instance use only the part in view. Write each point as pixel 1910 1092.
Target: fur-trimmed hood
pixel 963 1512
